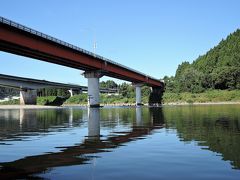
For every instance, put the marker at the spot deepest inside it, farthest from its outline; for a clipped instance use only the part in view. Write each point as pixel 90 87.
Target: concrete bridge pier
pixel 93 87
pixel 155 97
pixel 71 92
pixel 138 94
pixel 28 97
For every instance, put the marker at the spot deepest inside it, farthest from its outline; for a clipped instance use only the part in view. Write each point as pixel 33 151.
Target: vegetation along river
pixel 169 142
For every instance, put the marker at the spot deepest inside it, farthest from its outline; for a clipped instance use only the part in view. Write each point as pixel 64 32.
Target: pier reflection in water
pixel 119 142
pixel 94 123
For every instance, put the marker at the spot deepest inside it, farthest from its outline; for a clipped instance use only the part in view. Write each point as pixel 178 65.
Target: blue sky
pixel 152 36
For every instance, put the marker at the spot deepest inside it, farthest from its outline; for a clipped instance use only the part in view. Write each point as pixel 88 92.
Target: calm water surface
pixel 187 142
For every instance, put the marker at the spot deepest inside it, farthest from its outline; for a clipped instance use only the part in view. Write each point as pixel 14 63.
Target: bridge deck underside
pixel 19 42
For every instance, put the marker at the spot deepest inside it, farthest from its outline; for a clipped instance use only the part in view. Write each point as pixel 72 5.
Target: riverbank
pixel 207 97
pixel 186 98
pixel 164 104
pixel 28 107
pixel 108 105
pixel 198 103
pixel 211 96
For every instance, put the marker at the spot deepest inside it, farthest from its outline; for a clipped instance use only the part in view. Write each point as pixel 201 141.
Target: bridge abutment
pixel 93 87
pixel 28 97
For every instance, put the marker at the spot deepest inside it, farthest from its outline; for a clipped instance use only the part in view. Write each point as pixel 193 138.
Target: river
pixel 169 142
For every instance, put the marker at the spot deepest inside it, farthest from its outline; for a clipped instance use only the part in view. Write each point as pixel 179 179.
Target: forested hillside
pixel 219 68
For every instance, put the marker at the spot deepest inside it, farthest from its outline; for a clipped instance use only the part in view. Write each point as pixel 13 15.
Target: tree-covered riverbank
pixel 168 98
pixel 218 69
pixel 204 97
pixel 211 96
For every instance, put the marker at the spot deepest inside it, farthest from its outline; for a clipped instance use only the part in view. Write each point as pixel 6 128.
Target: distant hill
pixel 219 68
pixel 225 54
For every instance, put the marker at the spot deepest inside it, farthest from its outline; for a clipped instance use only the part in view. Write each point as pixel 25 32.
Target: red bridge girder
pixel 21 42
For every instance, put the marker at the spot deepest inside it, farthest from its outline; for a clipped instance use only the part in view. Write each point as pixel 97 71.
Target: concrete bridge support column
pixel 71 92
pixel 93 88
pixel 138 94
pixel 155 97
pixel 80 91
pixel 28 97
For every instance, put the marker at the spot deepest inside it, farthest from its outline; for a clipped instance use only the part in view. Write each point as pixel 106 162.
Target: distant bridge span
pixel 23 83
pixel 21 40
pixel 28 87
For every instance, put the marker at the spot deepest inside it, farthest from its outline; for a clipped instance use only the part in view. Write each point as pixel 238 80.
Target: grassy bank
pixel 10 102
pixel 208 96
pixel 40 101
pixel 105 99
pixel 81 99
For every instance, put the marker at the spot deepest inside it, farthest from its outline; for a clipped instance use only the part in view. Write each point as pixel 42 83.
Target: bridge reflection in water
pixel 95 132
pixel 36 122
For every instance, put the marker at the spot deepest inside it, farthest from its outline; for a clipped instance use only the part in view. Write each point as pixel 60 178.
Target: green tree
pixel 108 84
pixel 217 69
pixel 181 68
pixel 170 84
pixel 226 77
pixel 191 81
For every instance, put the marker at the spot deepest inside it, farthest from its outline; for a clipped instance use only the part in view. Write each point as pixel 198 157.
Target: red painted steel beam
pixel 17 41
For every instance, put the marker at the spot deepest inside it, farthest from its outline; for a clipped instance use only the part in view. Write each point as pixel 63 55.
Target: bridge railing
pixel 45 36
